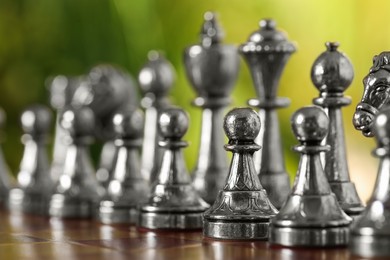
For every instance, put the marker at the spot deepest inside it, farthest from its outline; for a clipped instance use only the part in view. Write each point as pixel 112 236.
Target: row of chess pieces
pixel 251 198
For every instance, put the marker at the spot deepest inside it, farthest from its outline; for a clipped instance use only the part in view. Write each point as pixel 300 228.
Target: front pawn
pixel 34 181
pixel 77 191
pixel 242 209
pixel 127 188
pixel 370 234
pixel 173 202
pixel 311 215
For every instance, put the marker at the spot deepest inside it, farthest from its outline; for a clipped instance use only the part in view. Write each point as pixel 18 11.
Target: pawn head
pixel 382 127
pixel 128 123
pixel 310 124
pixel 78 122
pixel 157 75
pixel 173 123
pixel 36 120
pixel 242 124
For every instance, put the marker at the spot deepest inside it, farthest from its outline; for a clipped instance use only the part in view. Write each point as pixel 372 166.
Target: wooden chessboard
pixel 34 237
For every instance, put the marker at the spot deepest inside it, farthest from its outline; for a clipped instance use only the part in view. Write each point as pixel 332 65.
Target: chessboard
pixel 26 236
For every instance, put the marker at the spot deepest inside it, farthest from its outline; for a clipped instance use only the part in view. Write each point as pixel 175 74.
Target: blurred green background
pixel 42 38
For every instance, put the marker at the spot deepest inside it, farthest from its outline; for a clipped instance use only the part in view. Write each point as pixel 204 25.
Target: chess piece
pixel 311 215
pixel 5 181
pixel 332 73
pixel 370 234
pixel 242 209
pixel 61 90
pixel 212 69
pixel 266 54
pixel 77 190
pixel 106 90
pixel 155 79
pixel 376 87
pixel 127 187
pixel 35 185
pixel 173 202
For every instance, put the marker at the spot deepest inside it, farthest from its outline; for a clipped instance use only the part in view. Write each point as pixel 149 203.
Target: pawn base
pixel 171 220
pixel 235 230
pixel 113 214
pixel 63 207
pixel 370 246
pixel 33 203
pixel 309 237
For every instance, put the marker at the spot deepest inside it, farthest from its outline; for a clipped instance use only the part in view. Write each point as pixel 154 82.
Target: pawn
pixel 311 215
pixel 4 170
pixel 242 209
pixel 370 234
pixel 34 181
pixel 173 203
pixel 127 187
pixel 77 190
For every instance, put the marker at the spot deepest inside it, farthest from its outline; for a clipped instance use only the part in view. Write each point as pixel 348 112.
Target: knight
pixel 375 95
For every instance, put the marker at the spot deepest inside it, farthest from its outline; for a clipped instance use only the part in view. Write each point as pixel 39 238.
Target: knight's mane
pixel 381 61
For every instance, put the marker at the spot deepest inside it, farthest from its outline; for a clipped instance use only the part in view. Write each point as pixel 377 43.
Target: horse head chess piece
pixel 375 95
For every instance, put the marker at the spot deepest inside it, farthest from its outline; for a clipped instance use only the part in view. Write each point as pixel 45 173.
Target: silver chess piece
pixel 332 73
pixel 77 191
pixel 35 185
pixel 242 209
pixel 311 216
pixel 5 180
pixel 61 90
pixel 370 234
pixel 155 79
pixel 266 53
pixel 375 94
pixel 127 188
pixel 212 68
pixel 106 89
pixel 173 202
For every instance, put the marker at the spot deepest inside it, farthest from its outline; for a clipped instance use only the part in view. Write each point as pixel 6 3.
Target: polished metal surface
pixel 332 73
pixel 127 188
pixel 77 190
pixel 242 209
pixel 266 53
pixel 155 79
pixel 5 179
pixel 212 68
pixel 311 216
pixel 375 95
pixel 370 234
pixel 106 90
pixel 173 202
pixel 35 185
pixel 61 90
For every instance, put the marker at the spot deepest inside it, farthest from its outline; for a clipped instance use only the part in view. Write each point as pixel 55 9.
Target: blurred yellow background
pixel 42 38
